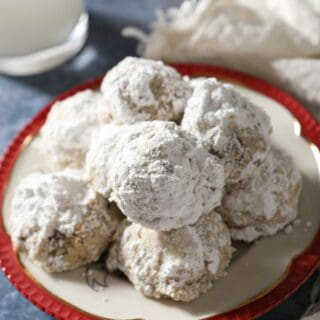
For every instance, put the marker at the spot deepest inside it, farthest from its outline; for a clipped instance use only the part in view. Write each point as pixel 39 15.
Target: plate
pixel 260 276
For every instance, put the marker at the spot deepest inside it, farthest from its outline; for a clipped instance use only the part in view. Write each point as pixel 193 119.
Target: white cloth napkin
pixel 278 40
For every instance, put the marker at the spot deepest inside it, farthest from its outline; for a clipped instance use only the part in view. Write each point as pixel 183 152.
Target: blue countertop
pixel 21 98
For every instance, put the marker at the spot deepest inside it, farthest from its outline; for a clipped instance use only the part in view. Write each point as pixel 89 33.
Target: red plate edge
pixel 301 267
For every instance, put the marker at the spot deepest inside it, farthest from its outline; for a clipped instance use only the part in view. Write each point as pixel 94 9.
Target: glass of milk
pixel 37 35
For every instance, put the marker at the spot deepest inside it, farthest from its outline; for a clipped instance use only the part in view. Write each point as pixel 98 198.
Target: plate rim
pixel 298 271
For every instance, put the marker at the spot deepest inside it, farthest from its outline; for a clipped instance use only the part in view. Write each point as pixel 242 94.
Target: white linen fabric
pixel 276 40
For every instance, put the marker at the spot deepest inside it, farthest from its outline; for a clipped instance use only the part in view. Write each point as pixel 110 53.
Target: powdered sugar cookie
pixel 179 264
pixel 67 132
pixel 59 222
pixel 162 177
pixel 266 202
pixel 231 126
pixel 139 89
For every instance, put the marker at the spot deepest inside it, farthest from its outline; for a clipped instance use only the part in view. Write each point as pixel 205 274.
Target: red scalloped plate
pixel 296 271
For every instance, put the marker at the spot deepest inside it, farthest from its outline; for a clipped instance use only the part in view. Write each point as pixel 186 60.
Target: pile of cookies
pixel 159 171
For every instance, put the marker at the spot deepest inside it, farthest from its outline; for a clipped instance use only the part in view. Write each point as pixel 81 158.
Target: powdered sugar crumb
pixel 296 222
pixel 288 229
pixel 307 226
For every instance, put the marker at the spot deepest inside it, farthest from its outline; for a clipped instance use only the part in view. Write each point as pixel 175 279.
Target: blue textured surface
pixel 20 98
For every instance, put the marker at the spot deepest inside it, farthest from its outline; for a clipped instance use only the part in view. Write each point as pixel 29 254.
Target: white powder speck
pixel 288 229
pixel 296 222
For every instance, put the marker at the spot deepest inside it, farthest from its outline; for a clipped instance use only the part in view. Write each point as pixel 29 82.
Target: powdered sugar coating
pixel 179 264
pixel 231 126
pixel 98 159
pixel 139 89
pixel 162 177
pixel 59 222
pixel 66 134
pixel 266 202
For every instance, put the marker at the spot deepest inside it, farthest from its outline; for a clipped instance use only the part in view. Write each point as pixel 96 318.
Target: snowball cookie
pixel 66 134
pixel 231 126
pixel 266 202
pixel 103 141
pixel 162 177
pixel 179 264
pixel 59 222
pixel 139 89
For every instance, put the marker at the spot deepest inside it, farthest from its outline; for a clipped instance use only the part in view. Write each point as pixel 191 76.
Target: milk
pixel 28 26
